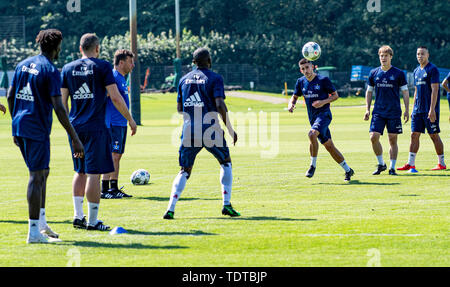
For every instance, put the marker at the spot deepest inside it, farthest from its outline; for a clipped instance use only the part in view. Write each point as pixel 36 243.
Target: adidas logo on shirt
pixel 194 101
pixel 83 93
pixel 25 94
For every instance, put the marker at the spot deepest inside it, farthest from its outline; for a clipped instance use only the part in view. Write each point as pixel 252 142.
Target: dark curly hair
pixel 49 40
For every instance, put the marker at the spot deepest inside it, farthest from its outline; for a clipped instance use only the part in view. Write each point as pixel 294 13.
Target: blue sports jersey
pixel 86 80
pixel 387 86
pixel 113 116
pixel 35 81
pixel 318 89
pixel 197 92
pixel 423 78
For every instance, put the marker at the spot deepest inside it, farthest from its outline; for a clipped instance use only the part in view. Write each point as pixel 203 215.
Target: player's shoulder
pixel 323 79
pixel 374 71
pixel 432 67
pixel 397 71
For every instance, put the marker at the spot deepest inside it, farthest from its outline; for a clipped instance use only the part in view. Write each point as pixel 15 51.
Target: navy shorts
pixel 97 153
pixel 35 153
pixel 187 154
pixel 118 138
pixel 421 121
pixel 320 123
pixel 378 123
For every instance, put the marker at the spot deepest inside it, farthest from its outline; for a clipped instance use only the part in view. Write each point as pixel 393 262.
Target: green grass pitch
pixel 287 219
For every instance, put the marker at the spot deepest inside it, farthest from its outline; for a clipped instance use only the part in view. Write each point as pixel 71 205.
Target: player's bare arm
pixel 445 85
pixel 405 94
pixel 223 111
pixel 121 106
pixel 434 97
pixel 369 93
pixel 10 98
pixel 333 97
pixel 292 103
pixel 65 98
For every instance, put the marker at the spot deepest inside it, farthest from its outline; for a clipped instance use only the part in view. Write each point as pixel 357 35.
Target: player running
pixel 445 85
pixel 387 81
pixel 318 92
pixel 426 110
pixel 87 81
pixel 117 124
pixel 200 98
pixel 34 92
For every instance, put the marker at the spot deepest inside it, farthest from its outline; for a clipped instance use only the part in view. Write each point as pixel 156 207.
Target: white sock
pixel 226 180
pixel 412 159
pixel 42 220
pixel 93 213
pixel 380 160
pixel 177 188
pixel 393 162
pixel 441 160
pixel 313 161
pixel 33 227
pixel 78 207
pixel 345 166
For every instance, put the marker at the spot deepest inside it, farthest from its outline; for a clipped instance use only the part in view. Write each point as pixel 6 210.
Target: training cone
pixel 117 230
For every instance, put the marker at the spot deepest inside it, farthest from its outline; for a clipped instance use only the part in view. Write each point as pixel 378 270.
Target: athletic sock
pixel 33 227
pixel 42 219
pixel 93 213
pixel 78 207
pixel 393 162
pixel 441 160
pixel 105 185
pixel 412 159
pixel 226 180
pixel 345 166
pixel 114 184
pixel 314 161
pixel 380 160
pixel 177 188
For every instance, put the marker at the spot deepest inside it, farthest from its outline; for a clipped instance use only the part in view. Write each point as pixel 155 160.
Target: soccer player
pixel 426 110
pixel 447 89
pixel 387 81
pixel 200 98
pixel 117 124
pixel 34 92
pixel 318 92
pixel 88 81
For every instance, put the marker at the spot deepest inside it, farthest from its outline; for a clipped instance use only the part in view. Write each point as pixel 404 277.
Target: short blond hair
pixel 386 49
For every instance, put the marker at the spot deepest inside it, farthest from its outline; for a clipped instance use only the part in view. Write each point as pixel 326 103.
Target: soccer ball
pixel 140 177
pixel 311 51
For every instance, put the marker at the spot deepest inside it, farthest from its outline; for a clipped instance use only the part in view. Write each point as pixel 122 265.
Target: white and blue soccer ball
pixel 140 177
pixel 311 51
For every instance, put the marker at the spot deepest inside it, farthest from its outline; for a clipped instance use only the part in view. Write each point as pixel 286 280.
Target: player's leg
pixel 43 226
pixel 417 128
pixel 34 198
pixel 338 157
pixel 313 151
pixel 93 198
pixel 393 152
pixel 439 147
pixel 378 150
pixel 78 192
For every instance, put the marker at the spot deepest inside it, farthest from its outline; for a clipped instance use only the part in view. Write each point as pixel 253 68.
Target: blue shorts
pixel 118 138
pixel 35 153
pixel 421 121
pixel 187 154
pixel 97 153
pixel 378 123
pixel 320 123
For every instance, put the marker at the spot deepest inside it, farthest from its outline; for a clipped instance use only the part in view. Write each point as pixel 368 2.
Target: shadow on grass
pixel 409 194
pixel 426 175
pixel 157 198
pixel 118 245
pixel 190 233
pixel 269 218
pixel 26 222
pixel 357 182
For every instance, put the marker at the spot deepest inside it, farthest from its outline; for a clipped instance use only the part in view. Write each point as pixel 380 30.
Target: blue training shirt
pixel 197 92
pixel 35 81
pixel 387 86
pixel 423 78
pixel 318 89
pixel 86 80
pixel 113 116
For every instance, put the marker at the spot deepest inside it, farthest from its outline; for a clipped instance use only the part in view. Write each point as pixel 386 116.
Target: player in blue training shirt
pixel 387 81
pixel 425 113
pixel 87 81
pixel 200 99
pixel 318 92
pixel 34 93
pixel 445 85
pixel 117 124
